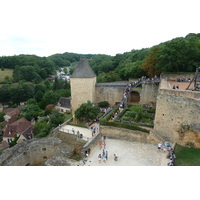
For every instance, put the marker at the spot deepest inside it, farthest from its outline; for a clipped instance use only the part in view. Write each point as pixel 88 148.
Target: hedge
pixel 128 126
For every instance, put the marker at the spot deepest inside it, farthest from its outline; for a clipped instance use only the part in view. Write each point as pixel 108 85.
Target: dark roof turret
pixel 83 70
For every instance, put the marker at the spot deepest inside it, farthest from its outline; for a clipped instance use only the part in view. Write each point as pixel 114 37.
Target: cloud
pixel 107 26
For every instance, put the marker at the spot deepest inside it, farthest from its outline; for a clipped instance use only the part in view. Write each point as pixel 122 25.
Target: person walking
pixel 100 144
pixel 115 157
pixel 99 158
pixel 104 158
pixel 78 134
pixel 159 146
pixel 106 155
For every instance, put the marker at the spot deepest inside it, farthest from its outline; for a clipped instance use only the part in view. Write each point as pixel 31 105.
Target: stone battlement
pixel 181 93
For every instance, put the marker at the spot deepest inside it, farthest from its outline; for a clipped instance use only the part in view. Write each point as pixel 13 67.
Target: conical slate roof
pixel 83 70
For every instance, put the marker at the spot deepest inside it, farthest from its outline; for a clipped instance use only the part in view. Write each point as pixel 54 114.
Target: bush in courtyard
pixel 103 104
pixel 127 118
pixel 131 114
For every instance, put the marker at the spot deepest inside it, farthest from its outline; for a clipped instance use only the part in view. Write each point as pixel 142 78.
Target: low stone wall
pixel 92 143
pixel 129 135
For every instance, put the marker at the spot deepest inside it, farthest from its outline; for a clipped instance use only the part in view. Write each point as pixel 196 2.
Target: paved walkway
pixel 130 154
pixel 87 132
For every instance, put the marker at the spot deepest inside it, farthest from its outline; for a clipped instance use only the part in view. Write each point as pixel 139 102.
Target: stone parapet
pixel 181 93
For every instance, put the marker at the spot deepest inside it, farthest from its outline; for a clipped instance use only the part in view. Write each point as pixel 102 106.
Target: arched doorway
pixel 134 97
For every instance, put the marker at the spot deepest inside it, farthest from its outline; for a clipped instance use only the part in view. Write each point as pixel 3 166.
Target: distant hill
pixel 177 55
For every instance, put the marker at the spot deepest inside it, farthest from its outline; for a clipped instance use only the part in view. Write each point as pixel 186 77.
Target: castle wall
pixel 82 90
pixel 110 94
pixel 148 94
pixel 128 135
pixel 177 116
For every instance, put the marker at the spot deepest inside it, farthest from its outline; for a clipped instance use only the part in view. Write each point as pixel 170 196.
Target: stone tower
pixel 82 82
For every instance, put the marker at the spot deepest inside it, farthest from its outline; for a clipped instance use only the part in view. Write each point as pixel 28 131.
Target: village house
pixel 51 78
pixel 64 105
pixel 11 115
pixel 20 127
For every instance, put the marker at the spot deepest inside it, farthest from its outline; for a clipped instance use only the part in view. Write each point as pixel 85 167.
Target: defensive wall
pixel 171 76
pixel 129 135
pixel 149 94
pixel 111 92
pixel 177 116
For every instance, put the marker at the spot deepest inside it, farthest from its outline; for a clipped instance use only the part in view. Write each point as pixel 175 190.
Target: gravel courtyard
pixel 129 154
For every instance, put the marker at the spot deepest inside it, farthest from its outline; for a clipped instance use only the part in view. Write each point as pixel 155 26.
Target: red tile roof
pixel 18 126
pixel 12 111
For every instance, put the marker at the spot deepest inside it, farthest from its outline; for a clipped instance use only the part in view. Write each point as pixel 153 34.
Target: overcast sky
pixel 46 27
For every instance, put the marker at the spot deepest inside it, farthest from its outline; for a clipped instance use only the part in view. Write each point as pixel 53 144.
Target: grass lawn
pixel 187 156
pixel 68 116
pixel 4 73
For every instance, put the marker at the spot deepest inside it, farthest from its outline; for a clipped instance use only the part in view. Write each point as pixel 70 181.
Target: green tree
pixel 87 111
pixel 31 110
pixel 5 93
pixel 47 83
pixel 103 104
pixel 2 116
pixel 50 97
pixel 56 118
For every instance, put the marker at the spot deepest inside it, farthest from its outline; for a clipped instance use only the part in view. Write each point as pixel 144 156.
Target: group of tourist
pixel 114 115
pixel 175 87
pixel 166 147
pixel 143 79
pixel 183 80
pixel 79 135
pixel 104 155
pixel 94 130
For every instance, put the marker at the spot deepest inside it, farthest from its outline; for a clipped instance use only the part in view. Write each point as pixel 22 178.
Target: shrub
pixel 103 104
pixel 14 142
pixel 127 118
pixel 131 114
pixel 44 132
pixel 122 113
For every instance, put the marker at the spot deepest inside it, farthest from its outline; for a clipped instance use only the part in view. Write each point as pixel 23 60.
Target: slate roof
pixel 83 70
pixel 65 102
pixel 28 133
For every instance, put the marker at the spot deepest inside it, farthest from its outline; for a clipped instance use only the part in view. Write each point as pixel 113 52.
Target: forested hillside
pixel 177 55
